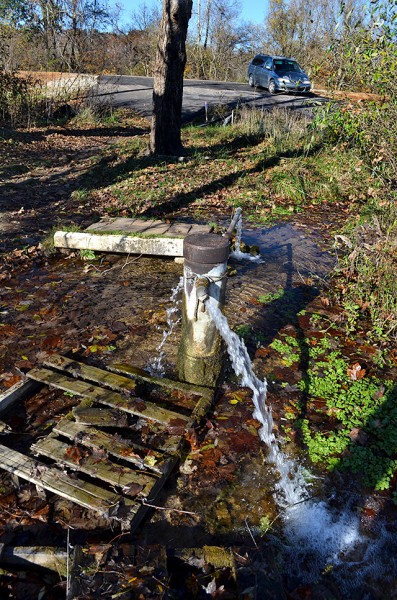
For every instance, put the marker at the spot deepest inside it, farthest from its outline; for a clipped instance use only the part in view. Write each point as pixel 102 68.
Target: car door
pixel 258 67
pixel 267 71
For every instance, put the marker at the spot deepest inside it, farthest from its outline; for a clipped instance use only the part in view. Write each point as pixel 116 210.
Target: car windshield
pixel 284 65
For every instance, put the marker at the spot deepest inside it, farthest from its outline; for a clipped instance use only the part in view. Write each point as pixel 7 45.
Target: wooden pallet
pixel 114 451
pixel 130 236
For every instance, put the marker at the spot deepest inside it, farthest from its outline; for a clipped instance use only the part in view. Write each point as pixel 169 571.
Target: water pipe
pixel 200 354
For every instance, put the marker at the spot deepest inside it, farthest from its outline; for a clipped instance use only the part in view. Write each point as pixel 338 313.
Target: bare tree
pixel 165 135
pixel 307 29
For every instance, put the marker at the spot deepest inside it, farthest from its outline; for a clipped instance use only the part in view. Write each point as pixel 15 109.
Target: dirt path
pixel 41 172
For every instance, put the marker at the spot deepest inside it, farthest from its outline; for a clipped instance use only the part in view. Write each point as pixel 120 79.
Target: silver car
pixel 277 74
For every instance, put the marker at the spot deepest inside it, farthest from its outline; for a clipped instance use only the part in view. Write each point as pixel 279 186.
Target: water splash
pixel 156 365
pixel 237 252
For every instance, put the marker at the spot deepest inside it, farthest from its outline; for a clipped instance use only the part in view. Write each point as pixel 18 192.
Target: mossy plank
pixel 47 557
pixel 17 392
pixel 140 374
pixel 132 405
pixel 103 417
pixel 89 373
pixel 102 468
pixel 54 480
pixel 140 456
pixel 125 224
pixel 180 229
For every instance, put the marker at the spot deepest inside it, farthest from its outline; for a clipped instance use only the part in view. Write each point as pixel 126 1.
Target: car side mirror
pixel 268 67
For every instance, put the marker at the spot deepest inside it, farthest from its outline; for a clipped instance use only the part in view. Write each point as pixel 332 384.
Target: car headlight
pixel 286 79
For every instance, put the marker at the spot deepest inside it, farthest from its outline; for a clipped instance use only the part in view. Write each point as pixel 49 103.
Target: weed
pixel 243 331
pixel 88 255
pixel 289 349
pixel 360 421
pixel 366 279
pixel 80 194
pixel 271 296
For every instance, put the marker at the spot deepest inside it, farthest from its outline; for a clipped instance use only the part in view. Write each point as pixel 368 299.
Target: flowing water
pixel 291 487
pixel 156 365
pixel 237 252
pixel 316 538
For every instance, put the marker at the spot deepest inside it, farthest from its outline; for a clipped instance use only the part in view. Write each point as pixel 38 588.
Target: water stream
pixel 237 252
pixel 316 536
pixel 156 365
pixel 291 488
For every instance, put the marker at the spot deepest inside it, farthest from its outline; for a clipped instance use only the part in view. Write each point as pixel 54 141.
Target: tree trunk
pixel 165 135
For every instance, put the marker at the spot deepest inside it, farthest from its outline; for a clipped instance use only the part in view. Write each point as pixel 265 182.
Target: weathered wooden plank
pixel 129 225
pixel 201 229
pixel 158 230
pixel 134 406
pixel 46 557
pixel 52 479
pixel 102 468
pixel 93 438
pixel 140 374
pixel 124 224
pixel 179 229
pixel 102 417
pixel 124 244
pixel 89 373
pixel 121 383
pixel 17 392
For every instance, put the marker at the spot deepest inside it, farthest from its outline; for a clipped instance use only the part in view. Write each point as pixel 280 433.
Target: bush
pixel 18 101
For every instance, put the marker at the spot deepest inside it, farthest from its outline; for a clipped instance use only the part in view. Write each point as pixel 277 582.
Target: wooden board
pixel 133 405
pixel 17 392
pixel 101 467
pixel 119 462
pixel 89 373
pixel 105 417
pixel 132 453
pixel 53 479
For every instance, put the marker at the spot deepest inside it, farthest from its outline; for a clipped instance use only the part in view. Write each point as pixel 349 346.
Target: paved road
pixel 136 92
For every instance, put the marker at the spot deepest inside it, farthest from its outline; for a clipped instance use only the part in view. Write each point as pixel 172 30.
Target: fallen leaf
pixel 355 372
pixel 132 489
pixel 74 454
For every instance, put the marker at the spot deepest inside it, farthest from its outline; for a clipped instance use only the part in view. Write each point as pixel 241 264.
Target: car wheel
pixel 272 86
pixel 251 81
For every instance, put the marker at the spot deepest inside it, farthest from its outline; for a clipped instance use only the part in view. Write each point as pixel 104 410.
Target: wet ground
pixel 113 309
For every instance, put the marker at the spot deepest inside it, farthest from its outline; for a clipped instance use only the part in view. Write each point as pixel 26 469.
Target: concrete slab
pixel 153 237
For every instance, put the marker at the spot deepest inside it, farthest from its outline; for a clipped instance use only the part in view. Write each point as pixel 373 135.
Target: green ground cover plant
pixel 355 427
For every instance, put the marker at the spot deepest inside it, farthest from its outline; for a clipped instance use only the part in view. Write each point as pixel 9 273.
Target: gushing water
pixel 237 252
pixel 310 526
pixel 156 365
pixel 291 486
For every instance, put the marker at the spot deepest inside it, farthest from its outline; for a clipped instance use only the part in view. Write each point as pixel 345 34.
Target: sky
pixel 249 9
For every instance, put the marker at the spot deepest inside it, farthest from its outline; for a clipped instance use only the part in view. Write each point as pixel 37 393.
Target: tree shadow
pixel 369 449
pixel 28 136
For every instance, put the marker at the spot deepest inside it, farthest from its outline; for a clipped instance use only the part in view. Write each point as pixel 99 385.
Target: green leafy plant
pixel 289 349
pixel 88 255
pixel 270 296
pixel 360 420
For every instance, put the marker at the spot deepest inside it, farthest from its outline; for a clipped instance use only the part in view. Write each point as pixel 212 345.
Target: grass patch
pixel 269 163
pixel 359 432
pixel 365 282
